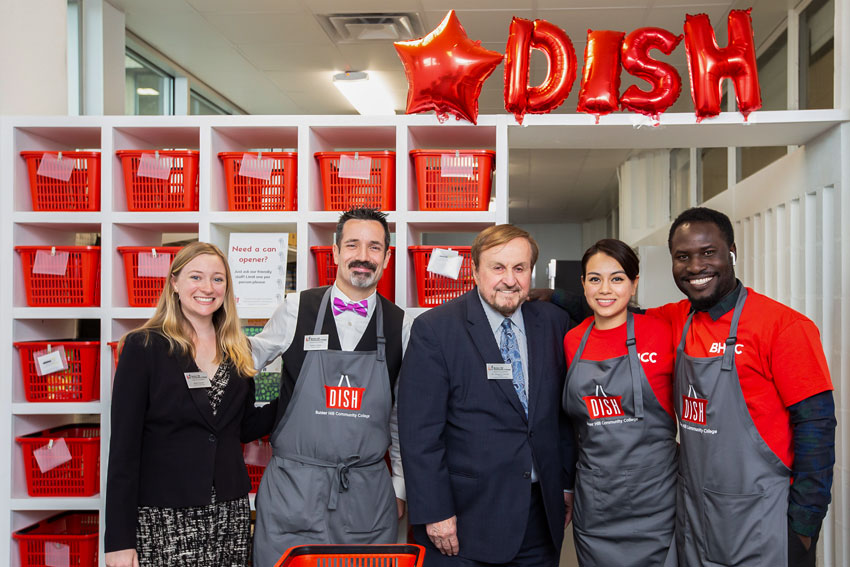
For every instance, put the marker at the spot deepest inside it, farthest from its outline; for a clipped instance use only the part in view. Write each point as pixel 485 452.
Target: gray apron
pixel 327 482
pixel 733 490
pixel 625 492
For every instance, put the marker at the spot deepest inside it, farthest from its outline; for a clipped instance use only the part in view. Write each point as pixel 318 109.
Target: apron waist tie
pixel 339 482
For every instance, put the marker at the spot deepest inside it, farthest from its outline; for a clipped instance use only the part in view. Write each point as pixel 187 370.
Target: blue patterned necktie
pixel 510 354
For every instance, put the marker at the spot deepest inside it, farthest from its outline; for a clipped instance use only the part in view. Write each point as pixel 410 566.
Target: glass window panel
pixel 816 55
pixel 199 105
pixel 148 90
pixel 713 178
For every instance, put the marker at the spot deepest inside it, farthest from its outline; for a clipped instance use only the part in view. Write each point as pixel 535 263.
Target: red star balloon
pixel 445 71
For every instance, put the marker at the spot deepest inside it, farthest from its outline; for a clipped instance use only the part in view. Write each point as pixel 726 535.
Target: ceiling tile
pixel 268 27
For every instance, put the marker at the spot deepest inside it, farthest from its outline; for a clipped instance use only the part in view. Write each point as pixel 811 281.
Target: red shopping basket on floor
pixel 178 192
pixel 432 289
pixel 78 477
pixel 262 452
pixel 143 290
pixel 327 270
pixel 389 555
pixel 78 286
pixel 279 193
pixel 67 539
pixel 77 383
pixel 467 190
pixel 376 191
pixel 80 193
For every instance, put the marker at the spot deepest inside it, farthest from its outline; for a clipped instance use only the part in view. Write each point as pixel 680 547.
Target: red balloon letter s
pixel 556 45
pixel 709 65
pixel 666 82
pixel 600 84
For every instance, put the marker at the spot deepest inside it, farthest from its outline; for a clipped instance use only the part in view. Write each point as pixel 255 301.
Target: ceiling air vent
pixel 358 28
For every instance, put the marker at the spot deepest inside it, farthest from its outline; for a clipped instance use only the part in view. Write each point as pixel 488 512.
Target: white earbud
pixel 733 257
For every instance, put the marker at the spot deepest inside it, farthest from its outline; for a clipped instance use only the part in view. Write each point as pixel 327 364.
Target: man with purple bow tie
pixel 341 347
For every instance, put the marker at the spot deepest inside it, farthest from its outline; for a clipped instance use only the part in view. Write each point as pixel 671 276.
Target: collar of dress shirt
pixel 495 318
pixel 370 301
pixel 726 304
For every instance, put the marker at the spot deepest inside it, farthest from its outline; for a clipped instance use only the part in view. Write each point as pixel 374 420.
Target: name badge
pixel 315 342
pixel 197 380
pixel 499 371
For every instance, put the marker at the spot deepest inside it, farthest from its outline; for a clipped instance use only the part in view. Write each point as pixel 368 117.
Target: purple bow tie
pixel 358 307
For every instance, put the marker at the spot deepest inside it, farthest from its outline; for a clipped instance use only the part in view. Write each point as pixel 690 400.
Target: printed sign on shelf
pixel 258 264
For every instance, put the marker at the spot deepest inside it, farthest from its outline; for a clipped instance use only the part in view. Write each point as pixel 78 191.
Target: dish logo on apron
pixel 693 407
pixel 604 405
pixel 343 397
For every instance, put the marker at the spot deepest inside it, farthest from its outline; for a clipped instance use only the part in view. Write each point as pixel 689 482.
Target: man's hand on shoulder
pixel 444 535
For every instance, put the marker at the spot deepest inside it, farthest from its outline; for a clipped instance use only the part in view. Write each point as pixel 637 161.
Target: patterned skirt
pixel 217 534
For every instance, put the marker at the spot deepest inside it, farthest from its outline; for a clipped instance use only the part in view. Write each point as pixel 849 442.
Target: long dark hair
pixel 618 250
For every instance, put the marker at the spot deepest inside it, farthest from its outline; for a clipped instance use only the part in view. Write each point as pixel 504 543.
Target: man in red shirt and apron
pixel 754 400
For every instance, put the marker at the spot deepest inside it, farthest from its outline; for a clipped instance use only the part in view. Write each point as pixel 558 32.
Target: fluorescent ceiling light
pixel 367 94
pixel 147 91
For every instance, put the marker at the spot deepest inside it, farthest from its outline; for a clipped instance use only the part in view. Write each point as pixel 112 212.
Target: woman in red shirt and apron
pixel 618 396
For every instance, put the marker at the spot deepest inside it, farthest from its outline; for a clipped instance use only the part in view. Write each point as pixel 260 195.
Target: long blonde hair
pixel 168 319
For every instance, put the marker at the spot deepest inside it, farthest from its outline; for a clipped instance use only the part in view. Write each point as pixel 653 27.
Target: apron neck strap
pixel 323 307
pixel 634 365
pixel 732 339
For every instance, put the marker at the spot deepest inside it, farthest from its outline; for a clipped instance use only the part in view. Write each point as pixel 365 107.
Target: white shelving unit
pixel 19 225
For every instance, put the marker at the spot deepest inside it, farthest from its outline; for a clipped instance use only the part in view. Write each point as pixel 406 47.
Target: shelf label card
pixel 57 554
pixel 55 166
pixel 457 165
pixel 54 263
pixel 258 453
pixel 258 266
pixel 152 165
pixel 445 262
pixel 154 264
pixel 50 360
pixel 54 454
pixel 256 166
pixel 355 167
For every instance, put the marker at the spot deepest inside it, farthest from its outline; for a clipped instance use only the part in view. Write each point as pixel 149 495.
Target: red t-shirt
pixel 653 340
pixel 778 356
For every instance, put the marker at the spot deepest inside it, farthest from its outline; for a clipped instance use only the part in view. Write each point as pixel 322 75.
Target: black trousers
pixel 798 555
pixel 537 549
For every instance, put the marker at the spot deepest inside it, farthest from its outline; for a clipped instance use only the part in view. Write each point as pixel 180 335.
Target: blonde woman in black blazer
pixel 182 404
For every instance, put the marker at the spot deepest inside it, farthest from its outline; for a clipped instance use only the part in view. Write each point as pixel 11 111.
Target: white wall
pixel 33 36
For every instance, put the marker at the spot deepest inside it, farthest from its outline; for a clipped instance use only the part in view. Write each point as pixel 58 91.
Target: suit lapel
pixel 533 338
pixel 482 335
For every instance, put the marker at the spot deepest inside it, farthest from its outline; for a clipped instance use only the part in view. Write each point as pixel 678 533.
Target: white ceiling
pixel 273 57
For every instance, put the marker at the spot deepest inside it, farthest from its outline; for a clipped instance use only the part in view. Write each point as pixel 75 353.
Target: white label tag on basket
pixel 457 165
pixel 154 264
pixel 152 165
pixel 57 554
pixel 51 262
pixel 56 167
pixel 445 262
pixel 256 166
pixel 258 453
pixel 54 454
pixel 355 167
pixel 50 360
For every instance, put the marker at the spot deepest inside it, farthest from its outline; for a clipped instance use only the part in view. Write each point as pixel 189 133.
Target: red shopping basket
pixel 279 193
pixel 433 290
pixel 327 270
pixel 45 543
pixel 143 290
pixel 395 555
pixel 264 451
pixel 79 286
pixel 377 192
pixel 467 192
pixel 78 383
pixel 179 192
pixel 80 193
pixel 78 477
pixel 115 352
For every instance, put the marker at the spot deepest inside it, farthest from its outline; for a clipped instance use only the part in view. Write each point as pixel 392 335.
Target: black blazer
pixel 466 444
pixel 167 449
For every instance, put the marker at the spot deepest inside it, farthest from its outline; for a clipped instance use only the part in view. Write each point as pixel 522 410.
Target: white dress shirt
pixel 276 337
